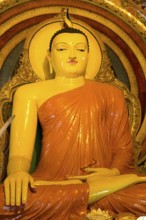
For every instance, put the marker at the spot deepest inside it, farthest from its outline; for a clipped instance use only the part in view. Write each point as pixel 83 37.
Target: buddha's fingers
pixel 24 190
pixel 142 179
pixel 32 185
pixel 18 192
pixel 82 177
pixel 91 170
pixel 12 192
pixel 62 182
pixel 7 192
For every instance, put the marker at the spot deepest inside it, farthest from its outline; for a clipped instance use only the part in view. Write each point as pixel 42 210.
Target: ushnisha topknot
pixel 66 18
pixel 67 28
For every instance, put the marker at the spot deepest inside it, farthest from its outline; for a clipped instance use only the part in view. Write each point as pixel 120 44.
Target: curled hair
pixel 67 30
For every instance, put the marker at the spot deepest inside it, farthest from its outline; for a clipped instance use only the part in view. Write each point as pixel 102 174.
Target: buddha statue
pixel 87 157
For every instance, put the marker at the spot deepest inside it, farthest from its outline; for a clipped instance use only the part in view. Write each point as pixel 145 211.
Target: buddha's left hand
pixel 96 172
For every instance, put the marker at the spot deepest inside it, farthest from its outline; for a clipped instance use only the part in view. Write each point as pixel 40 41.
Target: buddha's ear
pixel 50 64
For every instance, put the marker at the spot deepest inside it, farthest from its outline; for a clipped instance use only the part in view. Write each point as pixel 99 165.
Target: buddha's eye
pixel 61 49
pixel 81 50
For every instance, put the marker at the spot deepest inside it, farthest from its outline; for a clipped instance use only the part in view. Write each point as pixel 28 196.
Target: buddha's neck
pixel 70 82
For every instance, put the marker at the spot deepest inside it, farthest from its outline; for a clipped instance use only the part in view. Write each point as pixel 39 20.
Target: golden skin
pixel 69 59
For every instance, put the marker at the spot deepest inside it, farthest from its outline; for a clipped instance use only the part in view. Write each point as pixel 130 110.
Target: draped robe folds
pixel 84 127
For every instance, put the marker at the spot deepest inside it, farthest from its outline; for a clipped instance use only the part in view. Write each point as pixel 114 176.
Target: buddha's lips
pixel 72 62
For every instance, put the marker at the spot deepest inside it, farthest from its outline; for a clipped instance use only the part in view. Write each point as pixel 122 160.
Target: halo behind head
pixel 38 44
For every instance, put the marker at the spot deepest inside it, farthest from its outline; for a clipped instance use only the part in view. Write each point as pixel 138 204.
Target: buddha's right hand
pixel 16 188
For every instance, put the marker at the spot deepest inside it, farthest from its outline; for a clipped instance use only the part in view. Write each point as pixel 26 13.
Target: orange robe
pixel 49 203
pixel 85 127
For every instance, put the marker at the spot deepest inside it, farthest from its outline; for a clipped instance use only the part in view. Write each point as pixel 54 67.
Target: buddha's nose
pixel 72 58
pixel 72 53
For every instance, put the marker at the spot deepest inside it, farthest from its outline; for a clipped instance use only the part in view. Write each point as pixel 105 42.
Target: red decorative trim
pixel 20 27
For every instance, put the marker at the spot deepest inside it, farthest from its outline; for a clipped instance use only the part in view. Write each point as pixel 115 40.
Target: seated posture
pixel 87 154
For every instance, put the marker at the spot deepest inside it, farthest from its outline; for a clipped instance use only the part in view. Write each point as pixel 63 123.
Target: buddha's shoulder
pixel 36 85
pixel 101 86
pixel 34 88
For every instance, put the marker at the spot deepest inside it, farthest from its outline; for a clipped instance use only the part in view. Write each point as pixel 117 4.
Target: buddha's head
pixel 68 52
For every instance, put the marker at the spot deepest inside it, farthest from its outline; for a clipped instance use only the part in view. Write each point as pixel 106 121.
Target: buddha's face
pixel 69 54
